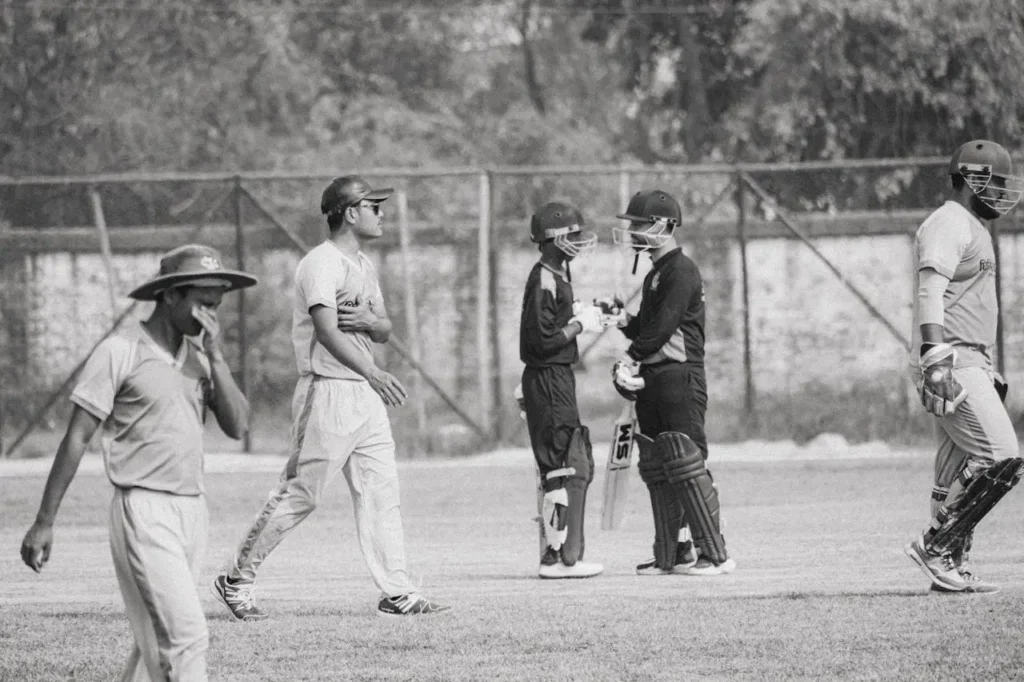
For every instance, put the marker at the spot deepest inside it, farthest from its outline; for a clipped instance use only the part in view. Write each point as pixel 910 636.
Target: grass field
pixel 822 591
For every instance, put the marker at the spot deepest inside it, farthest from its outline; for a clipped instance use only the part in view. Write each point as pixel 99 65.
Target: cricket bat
pixel 620 459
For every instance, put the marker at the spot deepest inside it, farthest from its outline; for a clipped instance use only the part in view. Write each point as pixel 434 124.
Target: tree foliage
pixel 211 84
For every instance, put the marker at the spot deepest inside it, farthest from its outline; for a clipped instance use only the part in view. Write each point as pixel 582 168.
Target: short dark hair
pixel 336 218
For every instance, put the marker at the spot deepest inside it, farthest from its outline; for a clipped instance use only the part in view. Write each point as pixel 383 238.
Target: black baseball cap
pixel 652 203
pixel 350 189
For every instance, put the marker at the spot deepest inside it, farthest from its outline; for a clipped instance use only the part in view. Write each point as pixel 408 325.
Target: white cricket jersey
pixel 152 406
pixel 956 244
pixel 326 276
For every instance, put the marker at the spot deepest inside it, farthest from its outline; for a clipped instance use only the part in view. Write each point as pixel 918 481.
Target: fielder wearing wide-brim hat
pixel 192 265
pixel 347 190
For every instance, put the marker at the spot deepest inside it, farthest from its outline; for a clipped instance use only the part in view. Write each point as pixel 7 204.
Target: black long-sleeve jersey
pixel 670 322
pixel 547 308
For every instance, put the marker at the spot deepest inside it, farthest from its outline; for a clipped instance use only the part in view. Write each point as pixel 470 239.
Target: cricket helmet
pixel 652 214
pixel 987 169
pixel 563 224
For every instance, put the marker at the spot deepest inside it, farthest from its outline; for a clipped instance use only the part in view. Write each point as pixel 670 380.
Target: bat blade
pixel 620 460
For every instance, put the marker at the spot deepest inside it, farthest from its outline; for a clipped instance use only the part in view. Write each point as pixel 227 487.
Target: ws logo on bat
pixel 623 445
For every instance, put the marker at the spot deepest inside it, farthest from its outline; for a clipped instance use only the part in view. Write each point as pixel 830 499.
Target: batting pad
pixel 951 528
pixel 580 458
pixel 686 472
pixel 668 514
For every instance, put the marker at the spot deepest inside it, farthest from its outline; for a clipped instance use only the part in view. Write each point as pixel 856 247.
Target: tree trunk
pixel 533 87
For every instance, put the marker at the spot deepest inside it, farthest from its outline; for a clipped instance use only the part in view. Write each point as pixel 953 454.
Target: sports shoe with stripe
pixel 686 556
pixel 412 604
pixel 975 585
pixel 581 569
pixel 940 569
pixel 705 566
pixel 238 598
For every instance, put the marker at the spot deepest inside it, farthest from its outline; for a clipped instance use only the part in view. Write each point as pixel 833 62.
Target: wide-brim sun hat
pixel 192 265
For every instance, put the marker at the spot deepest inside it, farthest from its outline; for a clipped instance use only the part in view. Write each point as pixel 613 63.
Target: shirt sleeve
pixel 317 284
pixel 544 336
pixel 102 376
pixel 668 304
pixel 941 244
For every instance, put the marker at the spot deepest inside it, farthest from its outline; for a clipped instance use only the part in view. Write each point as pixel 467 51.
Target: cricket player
pixel 954 333
pixel 339 411
pixel 663 370
pixel 149 387
pixel 561 446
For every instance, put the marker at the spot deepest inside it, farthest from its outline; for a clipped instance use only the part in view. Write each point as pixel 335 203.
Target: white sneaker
pixel 940 569
pixel 581 569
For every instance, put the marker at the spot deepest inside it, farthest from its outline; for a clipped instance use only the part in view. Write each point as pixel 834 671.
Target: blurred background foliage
pixel 106 85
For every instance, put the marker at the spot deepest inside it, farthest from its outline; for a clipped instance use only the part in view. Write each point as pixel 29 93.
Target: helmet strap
pixel 636 260
pixel 568 273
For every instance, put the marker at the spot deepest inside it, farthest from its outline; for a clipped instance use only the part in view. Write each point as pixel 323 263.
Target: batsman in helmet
pixel 549 324
pixel 954 333
pixel 663 370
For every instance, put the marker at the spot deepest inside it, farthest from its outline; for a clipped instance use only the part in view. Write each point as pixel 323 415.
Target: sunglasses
pixel 375 207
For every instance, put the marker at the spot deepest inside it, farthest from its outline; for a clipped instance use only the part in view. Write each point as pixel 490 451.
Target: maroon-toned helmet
pixel 652 214
pixel 564 225
pixel 987 169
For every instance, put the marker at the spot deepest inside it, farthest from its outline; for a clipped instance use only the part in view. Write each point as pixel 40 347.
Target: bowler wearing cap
pixel 149 388
pixel 339 411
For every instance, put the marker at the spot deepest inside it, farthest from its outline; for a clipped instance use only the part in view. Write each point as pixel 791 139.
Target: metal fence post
pixel 483 300
pixel 625 180
pixel 100 221
pixel 243 336
pixel 1000 327
pixel 748 370
pixel 412 323
pixel 494 301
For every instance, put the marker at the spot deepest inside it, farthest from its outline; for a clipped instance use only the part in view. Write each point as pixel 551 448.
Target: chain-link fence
pixel 807 270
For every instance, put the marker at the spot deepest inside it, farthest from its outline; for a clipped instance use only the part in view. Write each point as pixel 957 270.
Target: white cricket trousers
pixel 337 425
pixel 157 541
pixel 977 435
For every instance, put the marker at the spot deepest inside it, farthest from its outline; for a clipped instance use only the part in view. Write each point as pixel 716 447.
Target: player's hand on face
pixel 207 319
pixel 357 318
pixel 388 388
pixel 35 548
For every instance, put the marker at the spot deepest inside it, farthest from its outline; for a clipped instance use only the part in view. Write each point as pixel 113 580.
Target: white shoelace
pixel 243 596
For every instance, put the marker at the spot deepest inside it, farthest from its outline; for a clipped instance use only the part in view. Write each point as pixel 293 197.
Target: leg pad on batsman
pixel 668 513
pixel 952 526
pixel 686 472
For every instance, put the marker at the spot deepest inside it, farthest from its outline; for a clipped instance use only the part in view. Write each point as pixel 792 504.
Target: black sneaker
pixel 686 555
pixel 705 566
pixel 411 604
pixel 550 557
pixel 238 598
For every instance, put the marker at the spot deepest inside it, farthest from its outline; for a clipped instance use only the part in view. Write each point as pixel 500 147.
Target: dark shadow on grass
pixel 864 594
pixel 506 576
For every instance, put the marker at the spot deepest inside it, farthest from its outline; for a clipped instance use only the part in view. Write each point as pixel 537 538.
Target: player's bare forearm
pixel 81 428
pixel 338 344
pixel 229 404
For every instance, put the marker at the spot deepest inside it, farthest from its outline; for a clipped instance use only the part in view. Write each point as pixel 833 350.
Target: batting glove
pixel 625 378
pixel 941 393
pixel 589 317
pixel 613 311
